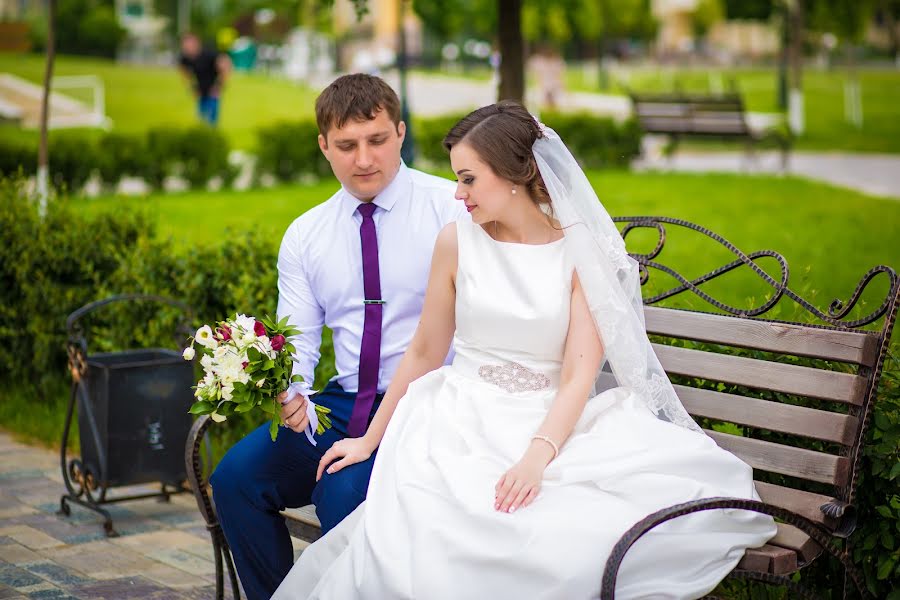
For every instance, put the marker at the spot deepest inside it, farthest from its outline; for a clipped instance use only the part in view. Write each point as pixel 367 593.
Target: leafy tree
pixel 757 10
pixel 706 14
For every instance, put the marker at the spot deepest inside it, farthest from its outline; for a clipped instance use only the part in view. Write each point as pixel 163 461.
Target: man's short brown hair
pixel 358 97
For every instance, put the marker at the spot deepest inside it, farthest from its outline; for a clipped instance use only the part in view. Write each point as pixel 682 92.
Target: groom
pixel 358 263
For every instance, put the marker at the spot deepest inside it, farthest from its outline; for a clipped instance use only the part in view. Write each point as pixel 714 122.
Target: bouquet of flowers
pixel 247 364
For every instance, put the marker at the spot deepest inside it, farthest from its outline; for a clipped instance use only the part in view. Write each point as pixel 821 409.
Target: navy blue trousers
pixel 208 109
pixel 257 478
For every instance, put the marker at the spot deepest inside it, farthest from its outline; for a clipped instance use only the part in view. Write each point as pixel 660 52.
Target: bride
pixel 507 474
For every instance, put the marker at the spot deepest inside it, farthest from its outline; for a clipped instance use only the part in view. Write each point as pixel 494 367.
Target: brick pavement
pixel 163 552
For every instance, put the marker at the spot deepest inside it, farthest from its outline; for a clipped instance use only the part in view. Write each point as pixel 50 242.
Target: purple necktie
pixel 370 349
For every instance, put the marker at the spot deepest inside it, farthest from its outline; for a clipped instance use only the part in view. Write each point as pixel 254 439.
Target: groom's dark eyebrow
pixel 377 134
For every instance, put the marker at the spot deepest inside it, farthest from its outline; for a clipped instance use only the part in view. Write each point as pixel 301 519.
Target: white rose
pixel 244 322
pixel 248 339
pixel 206 361
pixel 204 337
pixel 227 392
pixel 188 353
pixel 264 345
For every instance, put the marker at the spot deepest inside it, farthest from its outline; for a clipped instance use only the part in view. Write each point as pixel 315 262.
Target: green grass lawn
pixel 139 97
pixel 830 236
pixel 826 128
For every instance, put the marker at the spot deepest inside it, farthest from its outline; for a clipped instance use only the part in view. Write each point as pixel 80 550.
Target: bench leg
pixel 750 155
pixel 194 469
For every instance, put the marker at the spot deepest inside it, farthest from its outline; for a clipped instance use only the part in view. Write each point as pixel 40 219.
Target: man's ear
pixel 401 130
pixel 323 145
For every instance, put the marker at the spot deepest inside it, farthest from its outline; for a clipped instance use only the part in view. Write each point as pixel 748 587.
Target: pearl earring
pixel 514 190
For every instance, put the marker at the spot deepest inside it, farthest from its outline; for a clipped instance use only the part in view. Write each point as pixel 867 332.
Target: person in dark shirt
pixel 207 70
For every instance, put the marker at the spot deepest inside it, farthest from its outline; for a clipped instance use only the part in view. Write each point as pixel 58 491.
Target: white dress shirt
pixel 320 277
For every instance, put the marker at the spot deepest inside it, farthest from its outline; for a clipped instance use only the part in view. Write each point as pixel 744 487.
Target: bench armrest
pixel 614 562
pixel 194 470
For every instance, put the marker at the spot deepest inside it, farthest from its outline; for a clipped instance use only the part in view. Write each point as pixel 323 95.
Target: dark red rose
pixel 259 329
pixel 224 333
pixel 244 364
pixel 278 342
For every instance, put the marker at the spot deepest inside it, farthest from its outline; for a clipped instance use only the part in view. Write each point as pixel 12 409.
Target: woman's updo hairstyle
pixel 502 134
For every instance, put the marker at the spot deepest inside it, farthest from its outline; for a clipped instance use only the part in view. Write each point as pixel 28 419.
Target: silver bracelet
pixel 545 438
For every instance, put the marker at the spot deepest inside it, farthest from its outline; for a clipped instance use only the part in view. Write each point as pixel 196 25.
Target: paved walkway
pixel 876 174
pixel 163 553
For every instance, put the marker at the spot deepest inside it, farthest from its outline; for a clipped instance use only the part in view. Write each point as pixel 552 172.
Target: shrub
pixel 597 142
pixel 429 135
pixel 73 157
pixel 289 150
pixel 100 32
pixel 16 156
pixel 121 155
pixel 198 154
pixel 48 268
pixel 87 27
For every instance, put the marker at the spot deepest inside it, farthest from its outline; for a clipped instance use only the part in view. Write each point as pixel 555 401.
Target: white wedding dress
pixel 428 529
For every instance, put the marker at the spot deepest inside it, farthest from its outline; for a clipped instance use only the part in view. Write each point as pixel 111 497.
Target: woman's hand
pixel 520 485
pixel 345 452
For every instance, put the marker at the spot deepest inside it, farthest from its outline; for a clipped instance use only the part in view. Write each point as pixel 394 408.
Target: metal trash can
pixel 133 417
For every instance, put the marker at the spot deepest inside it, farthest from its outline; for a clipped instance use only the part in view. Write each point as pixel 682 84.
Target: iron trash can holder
pixel 156 445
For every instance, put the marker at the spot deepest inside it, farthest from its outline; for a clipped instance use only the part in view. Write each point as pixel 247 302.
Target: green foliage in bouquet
pixel 247 364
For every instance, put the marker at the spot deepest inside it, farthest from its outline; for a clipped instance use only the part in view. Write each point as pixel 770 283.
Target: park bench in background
pixel 801 427
pixel 723 117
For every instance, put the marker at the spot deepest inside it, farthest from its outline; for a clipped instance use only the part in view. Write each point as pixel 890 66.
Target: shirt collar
pixel 388 196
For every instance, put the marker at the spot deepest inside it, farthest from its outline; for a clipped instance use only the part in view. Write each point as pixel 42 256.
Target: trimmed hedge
pixel 597 142
pixel 198 154
pixel 290 150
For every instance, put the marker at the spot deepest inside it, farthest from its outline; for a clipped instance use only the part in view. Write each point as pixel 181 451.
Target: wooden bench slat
pixel 785 460
pixel 845 346
pixel 765 414
pixel 806 504
pixel 762 374
pixel 777 560
pixel 755 559
pixel 303 523
pixel 796 540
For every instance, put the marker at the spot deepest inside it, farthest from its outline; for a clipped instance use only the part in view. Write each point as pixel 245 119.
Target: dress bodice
pixel 512 302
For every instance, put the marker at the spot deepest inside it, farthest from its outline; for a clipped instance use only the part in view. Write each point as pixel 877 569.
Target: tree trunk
pixel 891 23
pixel 602 75
pixel 795 101
pixel 43 162
pixel 512 62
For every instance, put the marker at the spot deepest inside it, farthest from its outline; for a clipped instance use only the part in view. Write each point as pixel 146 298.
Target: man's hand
pixel 293 414
pixel 344 453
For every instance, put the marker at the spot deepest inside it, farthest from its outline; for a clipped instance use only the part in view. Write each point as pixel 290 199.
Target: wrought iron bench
pixel 801 427
pixel 681 116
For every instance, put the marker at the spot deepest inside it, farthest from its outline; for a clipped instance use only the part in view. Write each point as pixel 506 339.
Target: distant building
pixel 676 30
pixel 372 43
